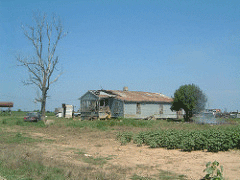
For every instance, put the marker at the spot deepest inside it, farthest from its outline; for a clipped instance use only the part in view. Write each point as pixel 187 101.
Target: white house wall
pixel 148 109
pixel 130 110
pixel 167 113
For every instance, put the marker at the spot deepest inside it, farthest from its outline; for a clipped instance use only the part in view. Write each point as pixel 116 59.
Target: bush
pixel 125 137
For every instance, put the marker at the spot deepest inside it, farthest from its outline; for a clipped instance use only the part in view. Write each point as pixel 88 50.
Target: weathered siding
pixel 167 113
pixel 116 108
pixel 130 110
pixel 88 96
pixel 88 101
pixel 144 110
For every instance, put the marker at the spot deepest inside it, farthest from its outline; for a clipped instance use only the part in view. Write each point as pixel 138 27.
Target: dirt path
pixel 104 144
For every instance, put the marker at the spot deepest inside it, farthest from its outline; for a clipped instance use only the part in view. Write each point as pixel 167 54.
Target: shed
pixel 128 104
pixel 5 105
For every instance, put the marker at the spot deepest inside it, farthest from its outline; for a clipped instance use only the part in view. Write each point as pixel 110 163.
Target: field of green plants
pixel 213 140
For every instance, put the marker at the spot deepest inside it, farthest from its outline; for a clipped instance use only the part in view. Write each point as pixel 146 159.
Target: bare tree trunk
pixel 186 115
pixel 43 105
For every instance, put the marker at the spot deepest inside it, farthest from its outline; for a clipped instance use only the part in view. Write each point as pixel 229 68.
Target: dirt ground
pixel 104 144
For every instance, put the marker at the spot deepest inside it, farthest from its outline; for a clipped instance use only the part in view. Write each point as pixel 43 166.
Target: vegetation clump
pixel 214 171
pixel 124 137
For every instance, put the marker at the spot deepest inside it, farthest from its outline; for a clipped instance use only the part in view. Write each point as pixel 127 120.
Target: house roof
pixel 132 96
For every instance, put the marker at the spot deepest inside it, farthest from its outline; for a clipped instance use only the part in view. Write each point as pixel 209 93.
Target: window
pixel 88 105
pixel 138 108
pixel 160 109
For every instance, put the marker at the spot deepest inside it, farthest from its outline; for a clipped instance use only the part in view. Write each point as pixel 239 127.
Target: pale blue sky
pixel 153 46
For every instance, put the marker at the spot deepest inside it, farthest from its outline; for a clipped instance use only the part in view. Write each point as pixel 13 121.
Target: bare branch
pixel 55 78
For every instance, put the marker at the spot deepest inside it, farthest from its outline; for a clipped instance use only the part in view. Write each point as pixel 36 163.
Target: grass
pixel 166 175
pixel 98 161
pixel 17 162
pixel 95 161
pixel 163 175
pixel 107 125
pixel 137 177
pixel 21 162
pixel 15 138
pixel 20 157
pixel 122 123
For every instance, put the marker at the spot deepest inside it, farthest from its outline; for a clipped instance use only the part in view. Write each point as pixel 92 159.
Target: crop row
pixel 213 140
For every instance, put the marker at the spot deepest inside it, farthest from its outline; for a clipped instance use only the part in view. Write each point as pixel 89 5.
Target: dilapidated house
pixel 128 104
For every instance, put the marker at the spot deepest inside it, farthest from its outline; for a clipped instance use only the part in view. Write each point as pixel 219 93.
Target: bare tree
pixel 44 35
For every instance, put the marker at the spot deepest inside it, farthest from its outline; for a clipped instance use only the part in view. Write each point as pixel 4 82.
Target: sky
pixel 146 45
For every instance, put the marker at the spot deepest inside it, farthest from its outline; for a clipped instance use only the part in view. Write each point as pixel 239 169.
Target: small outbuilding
pixel 5 105
pixel 65 111
pixel 100 104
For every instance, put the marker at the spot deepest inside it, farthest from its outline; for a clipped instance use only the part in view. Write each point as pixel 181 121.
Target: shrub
pixel 125 137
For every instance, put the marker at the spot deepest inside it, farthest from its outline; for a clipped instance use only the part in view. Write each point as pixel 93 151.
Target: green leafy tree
pixel 190 98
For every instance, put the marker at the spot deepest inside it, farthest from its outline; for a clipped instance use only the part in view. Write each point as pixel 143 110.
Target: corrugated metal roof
pixel 102 93
pixel 133 96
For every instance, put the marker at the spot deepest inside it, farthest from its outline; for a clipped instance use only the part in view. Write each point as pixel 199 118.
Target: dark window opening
pixel 161 109
pixel 138 108
pixel 104 102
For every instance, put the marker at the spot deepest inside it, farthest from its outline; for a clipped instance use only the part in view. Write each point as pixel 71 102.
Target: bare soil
pixel 143 161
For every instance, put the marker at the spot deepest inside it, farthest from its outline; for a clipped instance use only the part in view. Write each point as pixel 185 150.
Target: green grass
pixel 132 123
pixel 137 177
pixel 18 161
pixel 29 170
pixel 163 175
pixel 166 175
pixel 98 161
pixel 18 138
pixel 108 124
pixel 19 121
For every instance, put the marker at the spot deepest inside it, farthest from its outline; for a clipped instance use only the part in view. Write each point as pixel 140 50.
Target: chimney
pixel 125 88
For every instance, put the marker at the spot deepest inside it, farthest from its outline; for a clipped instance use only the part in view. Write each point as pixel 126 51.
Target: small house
pixel 98 104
